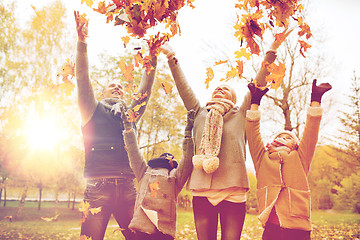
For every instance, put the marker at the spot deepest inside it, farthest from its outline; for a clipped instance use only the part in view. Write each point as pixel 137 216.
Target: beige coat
pixel 232 156
pixel 282 177
pixel 157 208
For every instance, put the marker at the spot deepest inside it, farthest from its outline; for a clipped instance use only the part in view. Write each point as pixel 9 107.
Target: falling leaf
pixel 167 87
pixel 230 74
pixel 277 74
pixel 242 53
pixel 137 107
pixel 127 70
pixel 220 62
pixel 126 40
pixel 132 116
pixel 88 2
pixel 138 59
pixel 303 47
pixel 209 76
pixel 154 187
pixel 68 70
pixel 240 68
pixel 95 210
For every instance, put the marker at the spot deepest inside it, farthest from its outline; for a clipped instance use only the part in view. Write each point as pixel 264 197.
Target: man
pixel 110 187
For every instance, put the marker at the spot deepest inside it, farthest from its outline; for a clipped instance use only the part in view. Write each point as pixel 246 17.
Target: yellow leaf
pixel 137 107
pixel 242 53
pixel 95 210
pixel 88 2
pixel 209 76
pixel 230 74
pixel 167 87
pixel 126 40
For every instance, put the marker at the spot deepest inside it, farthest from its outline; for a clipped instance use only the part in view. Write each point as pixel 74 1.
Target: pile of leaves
pixel 254 18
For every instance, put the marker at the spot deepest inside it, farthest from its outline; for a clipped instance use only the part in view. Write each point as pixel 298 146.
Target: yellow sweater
pixel 281 176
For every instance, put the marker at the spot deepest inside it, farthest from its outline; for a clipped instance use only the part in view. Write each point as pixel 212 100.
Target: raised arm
pixel 256 145
pixel 137 162
pixel 86 98
pixel 185 165
pixel 186 93
pixel 145 87
pixel 311 131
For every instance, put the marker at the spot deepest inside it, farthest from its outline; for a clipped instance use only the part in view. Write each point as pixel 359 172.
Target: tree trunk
pixel 73 203
pixel 56 202
pixel 21 204
pixel 69 199
pixel 40 197
pixel 4 197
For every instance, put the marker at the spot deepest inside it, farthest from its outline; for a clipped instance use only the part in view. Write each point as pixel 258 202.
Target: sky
pixel 207 35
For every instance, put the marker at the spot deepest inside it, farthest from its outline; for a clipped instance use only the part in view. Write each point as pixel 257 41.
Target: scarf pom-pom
pixel 197 161
pixel 210 164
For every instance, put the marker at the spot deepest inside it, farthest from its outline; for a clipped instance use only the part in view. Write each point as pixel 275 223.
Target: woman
pixel 219 179
pixel 281 170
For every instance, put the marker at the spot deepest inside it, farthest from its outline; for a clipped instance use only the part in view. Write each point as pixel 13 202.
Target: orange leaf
pixel 127 70
pixel 68 70
pixel 138 59
pixel 230 74
pixel 137 107
pixel 209 76
pixel 277 74
pixel 126 40
pixel 132 116
pixel 240 68
pixel 220 62
pixel 304 47
pixel 154 187
pixel 167 87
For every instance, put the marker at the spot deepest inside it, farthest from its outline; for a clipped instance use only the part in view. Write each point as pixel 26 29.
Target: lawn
pixel 326 224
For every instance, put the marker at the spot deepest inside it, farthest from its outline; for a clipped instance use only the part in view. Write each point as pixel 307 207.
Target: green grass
pixel 326 224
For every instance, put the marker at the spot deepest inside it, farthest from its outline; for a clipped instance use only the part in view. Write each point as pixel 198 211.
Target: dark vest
pixel 105 154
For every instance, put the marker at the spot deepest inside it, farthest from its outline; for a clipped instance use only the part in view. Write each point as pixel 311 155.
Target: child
pixel 281 170
pixel 160 181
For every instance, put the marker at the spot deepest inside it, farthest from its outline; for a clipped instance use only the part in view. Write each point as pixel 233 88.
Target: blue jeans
pixel 232 216
pixel 114 196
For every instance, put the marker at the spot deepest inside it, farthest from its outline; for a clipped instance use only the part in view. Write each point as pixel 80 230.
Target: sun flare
pixel 43 132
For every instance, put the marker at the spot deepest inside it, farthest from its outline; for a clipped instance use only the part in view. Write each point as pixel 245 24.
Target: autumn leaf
pixel 126 40
pixel 68 70
pixel 277 74
pixel 138 59
pixel 88 2
pixel 240 68
pixel 167 87
pixel 132 116
pixel 66 87
pixel 95 210
pixel 84 208
pixel 127 70
pixel 139 96
pixel 303 47
pixel 137 107
pixel 209 76
pixel 154 187
pixel 242 53
pixel 230 74
pixel 84 237
pixel 220 62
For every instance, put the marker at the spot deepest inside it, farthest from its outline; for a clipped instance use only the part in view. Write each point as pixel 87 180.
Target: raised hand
pixel 256 93
pixel 125 119
pixel 167 50
pixel 81 26
pixel 190 120
pixel 318 91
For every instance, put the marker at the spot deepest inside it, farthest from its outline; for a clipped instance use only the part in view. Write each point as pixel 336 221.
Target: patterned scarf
pixel 114 105
pixel 280 144
pixel 211 136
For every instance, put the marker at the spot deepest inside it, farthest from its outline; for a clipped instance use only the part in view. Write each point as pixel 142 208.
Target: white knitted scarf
pixel 114 105
pixel 211 136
